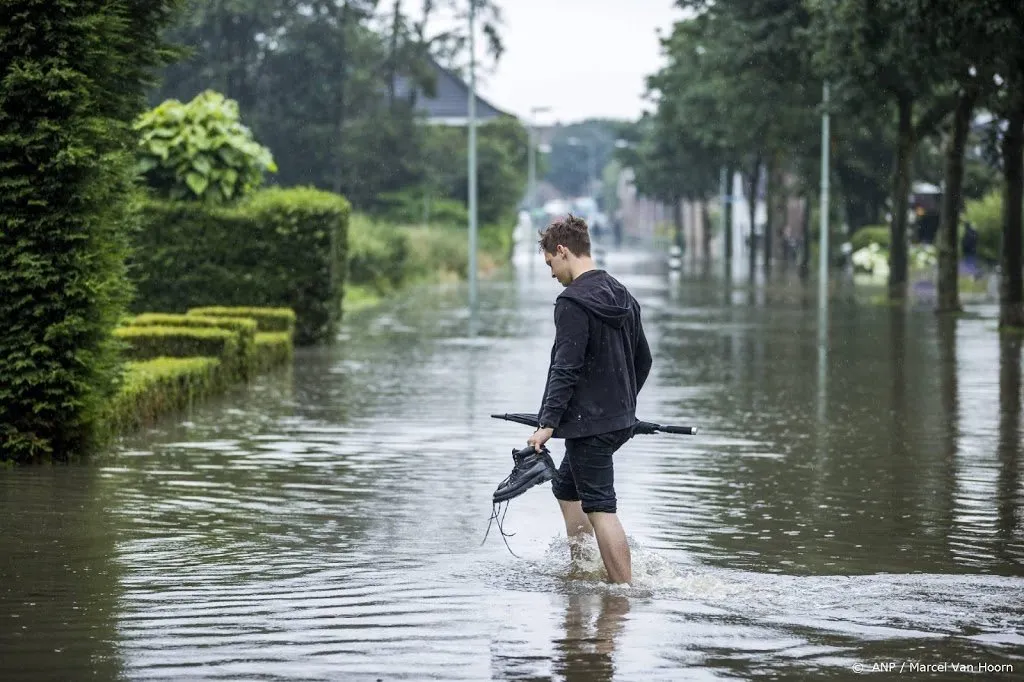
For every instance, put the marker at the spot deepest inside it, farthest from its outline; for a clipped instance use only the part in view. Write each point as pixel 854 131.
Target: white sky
pixel 582 58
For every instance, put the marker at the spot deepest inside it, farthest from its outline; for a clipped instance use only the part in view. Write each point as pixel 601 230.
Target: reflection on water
pixel 855 495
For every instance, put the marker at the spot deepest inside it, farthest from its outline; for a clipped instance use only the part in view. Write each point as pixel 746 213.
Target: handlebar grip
pixel 684 430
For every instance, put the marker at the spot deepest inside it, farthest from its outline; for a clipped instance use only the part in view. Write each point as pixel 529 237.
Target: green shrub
pixel 153 388
pixel 408 207
pixel 147 343
pixel 986 215
pixel 436 250
pixel 72 77
pixel 377 254
pixel 200 151
pixel 244 327
pixel 266 319
pixel 281 248
pixel 871 234
pixel 273 349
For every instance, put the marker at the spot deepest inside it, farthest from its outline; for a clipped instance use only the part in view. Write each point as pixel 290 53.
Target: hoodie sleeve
pixel 642 360
pixel 572 331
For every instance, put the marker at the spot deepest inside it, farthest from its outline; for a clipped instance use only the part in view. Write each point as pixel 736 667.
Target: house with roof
pixel 449 105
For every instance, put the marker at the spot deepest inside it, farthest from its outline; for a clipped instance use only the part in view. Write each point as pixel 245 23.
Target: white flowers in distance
pixel 874 258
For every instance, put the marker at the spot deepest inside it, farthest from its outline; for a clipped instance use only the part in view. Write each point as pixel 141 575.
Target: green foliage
pixel 200 150
pixel 385 257
pixel 146 343
pixel 411 206
pixel 71 80
pixel 280 248
pixel 332 87
pixel 871 234
pixel 243 327
pixel 377 254
pixel 501 167
pixel 272 350
pixel 266 319
pixel 153 388
pixel 986 215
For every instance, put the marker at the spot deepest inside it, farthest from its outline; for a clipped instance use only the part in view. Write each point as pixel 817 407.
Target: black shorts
pixel 586 473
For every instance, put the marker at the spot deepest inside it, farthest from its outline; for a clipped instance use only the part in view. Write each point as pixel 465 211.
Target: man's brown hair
pixel 571 232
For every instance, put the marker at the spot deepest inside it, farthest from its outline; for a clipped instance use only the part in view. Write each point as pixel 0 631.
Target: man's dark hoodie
pixel 599 361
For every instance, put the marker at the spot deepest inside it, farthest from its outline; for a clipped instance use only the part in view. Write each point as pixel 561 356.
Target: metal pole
pixel 472 156
pixel 824 248
pixel 531 198
pixel 723 200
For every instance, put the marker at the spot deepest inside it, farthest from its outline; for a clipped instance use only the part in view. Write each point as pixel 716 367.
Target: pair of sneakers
pixel 530 468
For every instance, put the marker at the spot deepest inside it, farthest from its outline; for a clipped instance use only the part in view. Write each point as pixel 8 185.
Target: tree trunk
pixel 900 196
pixel 949 234
pixel 396 25
pixel 753 179
pixel 677 220
pixel 805 251
pixel 727 209
pixel 1011 292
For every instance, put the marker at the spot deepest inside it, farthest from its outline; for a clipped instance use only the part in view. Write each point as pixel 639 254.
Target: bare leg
pixel 576 525
pixel 611 540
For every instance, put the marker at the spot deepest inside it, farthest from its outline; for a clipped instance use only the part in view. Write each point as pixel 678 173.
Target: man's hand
pixel 539 437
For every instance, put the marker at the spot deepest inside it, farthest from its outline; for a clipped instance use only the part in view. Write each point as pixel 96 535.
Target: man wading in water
pixel 599 362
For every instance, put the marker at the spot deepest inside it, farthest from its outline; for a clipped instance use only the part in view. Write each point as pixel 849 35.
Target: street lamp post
pixel 532 198
pixel 472 157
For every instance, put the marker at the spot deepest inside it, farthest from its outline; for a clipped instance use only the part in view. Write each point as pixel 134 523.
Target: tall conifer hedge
pixel 72 77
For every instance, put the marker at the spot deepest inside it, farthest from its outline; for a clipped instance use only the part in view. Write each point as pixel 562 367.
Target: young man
pixel 599 362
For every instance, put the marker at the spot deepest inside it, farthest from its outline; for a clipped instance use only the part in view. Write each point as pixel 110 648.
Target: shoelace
pixel 495 510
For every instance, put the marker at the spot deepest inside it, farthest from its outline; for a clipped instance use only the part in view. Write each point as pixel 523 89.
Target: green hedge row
pixel 266 319
pixel 174 358
pixel 272 349
pixel 153 388
pixel 281 248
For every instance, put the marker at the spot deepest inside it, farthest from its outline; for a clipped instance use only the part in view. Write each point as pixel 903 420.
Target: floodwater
pixel 854 500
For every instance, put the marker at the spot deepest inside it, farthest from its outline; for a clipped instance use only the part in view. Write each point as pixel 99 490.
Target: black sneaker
pixel 531 468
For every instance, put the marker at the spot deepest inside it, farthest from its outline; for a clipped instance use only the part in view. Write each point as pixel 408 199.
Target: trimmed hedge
pixel 282 247
pixel 147 343
pixel 273 349
pixel 244 327
pixel 73 76
pixel 266 319
pixel 153 388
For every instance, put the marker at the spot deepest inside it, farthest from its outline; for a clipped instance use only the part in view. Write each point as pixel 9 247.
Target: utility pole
pixel 472 157
pixel 532 198
pixel 823 259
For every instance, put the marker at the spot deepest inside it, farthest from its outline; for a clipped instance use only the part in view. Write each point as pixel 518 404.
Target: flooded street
pixel 846 503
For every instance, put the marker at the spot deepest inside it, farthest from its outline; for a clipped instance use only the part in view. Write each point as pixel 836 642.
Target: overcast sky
pixel 582 58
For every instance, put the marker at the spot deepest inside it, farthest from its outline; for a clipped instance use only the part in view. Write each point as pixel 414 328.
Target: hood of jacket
pixel 602 295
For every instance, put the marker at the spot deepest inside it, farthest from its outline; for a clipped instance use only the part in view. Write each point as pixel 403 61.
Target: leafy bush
pixel 153 388
pixel 200 150
pixel 377 254
pixel 986 215
pixel 281 248
pixel 73 75
pixel 408 207
pixel 871 234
